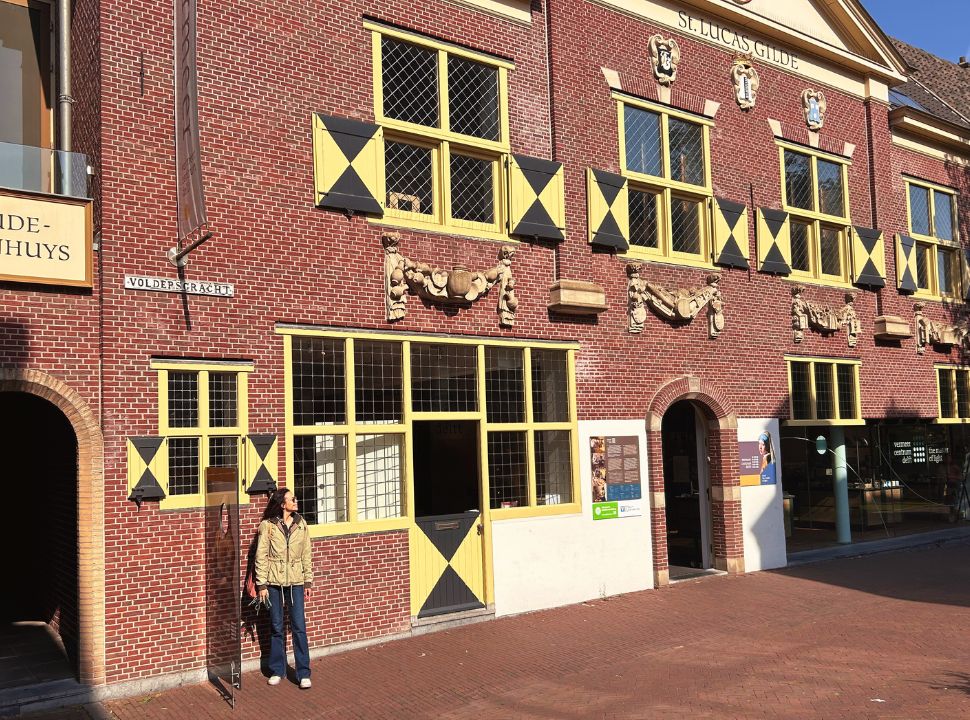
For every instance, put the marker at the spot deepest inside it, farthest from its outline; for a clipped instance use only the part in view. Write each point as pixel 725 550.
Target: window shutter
pixel 868 257
pixel 730 220
pixel 609 209
pixel 261 463
pixel 537 204
pixel 774 242
pixel 147 468
pixel 347 164
pixel 905 264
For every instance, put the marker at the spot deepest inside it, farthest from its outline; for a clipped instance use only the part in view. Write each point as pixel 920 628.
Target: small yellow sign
pixel 45 239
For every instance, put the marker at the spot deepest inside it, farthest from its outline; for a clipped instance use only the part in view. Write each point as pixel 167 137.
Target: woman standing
pixel 284 574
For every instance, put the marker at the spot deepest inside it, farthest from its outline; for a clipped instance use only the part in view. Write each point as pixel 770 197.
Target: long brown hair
pixel 274 508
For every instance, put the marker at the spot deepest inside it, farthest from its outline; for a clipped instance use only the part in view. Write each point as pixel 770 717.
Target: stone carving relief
pixel 456 287
pixel 813 103
pixel 746 81
pixel 822 319
pixel 665 56
pixel 930 332
pixel 678 306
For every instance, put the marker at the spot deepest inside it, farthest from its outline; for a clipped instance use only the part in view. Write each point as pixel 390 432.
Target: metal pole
pixel 840 486
pixel 64 98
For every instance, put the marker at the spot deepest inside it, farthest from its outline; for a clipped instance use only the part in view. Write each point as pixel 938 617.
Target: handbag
pixel 249 587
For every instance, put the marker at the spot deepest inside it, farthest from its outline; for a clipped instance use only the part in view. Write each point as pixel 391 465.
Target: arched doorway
pixel 687 489
pixel 47 403
pixel 39 616
pixel 716 446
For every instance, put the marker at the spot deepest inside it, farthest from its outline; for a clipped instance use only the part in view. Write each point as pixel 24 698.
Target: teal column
pixel 840 486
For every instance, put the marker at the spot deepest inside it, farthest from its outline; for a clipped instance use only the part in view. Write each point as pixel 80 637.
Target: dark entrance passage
pixel 39 614
pixel 448 574
pixel 683 488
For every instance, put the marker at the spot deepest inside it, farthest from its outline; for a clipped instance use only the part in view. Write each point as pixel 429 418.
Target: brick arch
pixel 722 432
pixel 90 499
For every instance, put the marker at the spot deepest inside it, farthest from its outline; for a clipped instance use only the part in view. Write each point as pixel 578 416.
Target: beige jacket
pixel 282 560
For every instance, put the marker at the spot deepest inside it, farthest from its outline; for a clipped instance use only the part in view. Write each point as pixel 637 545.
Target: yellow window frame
pixel 816 220
pixel 813 396
pixel 955 372
pixel 934 245
pixel 666 189
pixel 352 428
pixel 443 141
pixel 203 431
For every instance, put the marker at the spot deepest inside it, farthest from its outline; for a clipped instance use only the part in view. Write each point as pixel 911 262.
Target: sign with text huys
pixel 45 239
pixel 615 462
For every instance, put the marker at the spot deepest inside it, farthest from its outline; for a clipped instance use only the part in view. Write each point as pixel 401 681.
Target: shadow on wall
pixel 14 343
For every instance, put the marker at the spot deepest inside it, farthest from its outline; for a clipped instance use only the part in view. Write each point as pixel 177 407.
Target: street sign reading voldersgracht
pixel 172 285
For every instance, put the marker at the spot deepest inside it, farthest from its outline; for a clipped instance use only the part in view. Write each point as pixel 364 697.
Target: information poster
pixel 758 456
pixel 615 463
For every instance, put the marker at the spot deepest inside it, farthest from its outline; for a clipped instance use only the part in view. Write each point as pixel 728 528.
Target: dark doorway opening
pixel 39 615
pixel 445 467
pixel 685 488
pixel 447 510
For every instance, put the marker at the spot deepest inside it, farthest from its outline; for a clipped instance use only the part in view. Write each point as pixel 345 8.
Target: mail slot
pixel 449 525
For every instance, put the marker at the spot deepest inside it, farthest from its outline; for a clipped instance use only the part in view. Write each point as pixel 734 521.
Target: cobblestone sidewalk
pixel 884 636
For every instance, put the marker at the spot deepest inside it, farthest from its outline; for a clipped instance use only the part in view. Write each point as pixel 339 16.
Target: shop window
pixel 953 392
pixel 815 196
pixel 352 403
pixel 664 156
pixel 824 392
pixel 932 225
pixel 445 124
pixel 203 418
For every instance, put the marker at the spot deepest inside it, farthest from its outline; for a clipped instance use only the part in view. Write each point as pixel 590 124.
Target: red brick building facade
pixel 448 99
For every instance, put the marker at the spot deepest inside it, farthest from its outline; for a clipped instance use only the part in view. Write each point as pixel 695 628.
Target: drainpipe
pixel 64 99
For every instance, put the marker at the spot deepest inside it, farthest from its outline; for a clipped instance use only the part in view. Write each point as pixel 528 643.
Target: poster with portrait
pixel 758 455
pixel 615 465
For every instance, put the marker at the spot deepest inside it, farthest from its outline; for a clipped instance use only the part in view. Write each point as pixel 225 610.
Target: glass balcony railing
pixel 42 170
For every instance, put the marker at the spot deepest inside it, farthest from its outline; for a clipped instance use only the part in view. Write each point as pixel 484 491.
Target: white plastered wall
pixel 762 513
pixel 562 559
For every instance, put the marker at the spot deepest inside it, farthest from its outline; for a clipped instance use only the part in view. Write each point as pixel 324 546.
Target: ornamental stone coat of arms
pixel 665 56
pixel 746 81
pixel 813 103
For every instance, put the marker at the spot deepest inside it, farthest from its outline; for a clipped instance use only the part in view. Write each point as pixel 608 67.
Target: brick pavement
pixel 885 636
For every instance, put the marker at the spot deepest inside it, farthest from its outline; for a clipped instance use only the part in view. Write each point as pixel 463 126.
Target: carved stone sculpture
pixel 813 104
pixel 930 332
pixel 665 56
pixel 678 306
pixel 456 287
pixel 746 81
pixel 822 319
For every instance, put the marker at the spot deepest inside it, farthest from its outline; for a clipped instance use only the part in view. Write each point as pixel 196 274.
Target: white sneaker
pixel 305 684
pixel 274 680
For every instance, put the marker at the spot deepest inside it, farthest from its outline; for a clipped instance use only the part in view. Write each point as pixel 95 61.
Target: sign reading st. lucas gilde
pixel 45 240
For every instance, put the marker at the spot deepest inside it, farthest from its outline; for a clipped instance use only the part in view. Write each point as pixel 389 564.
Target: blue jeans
pixel 292 598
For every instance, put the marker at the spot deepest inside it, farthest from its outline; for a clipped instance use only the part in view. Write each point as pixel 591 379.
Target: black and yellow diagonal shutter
pixel 730 225
pixel 905 264
pixel 537 205
pixel 868 257
pixel 147 468
pixel 347 165
pixel 774 242
pixel 261 463
pixel 609 209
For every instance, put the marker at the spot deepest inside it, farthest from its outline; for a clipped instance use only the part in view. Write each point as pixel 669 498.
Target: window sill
pixel 667 260
pixel 805 423
pixel 439 229
pixel 499 514
pixel 932 297
pixel 811 280
pixel 359 527
pixel 952 421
